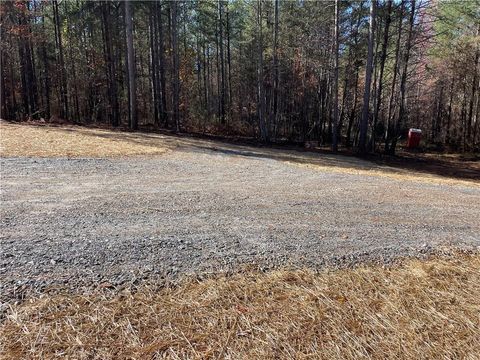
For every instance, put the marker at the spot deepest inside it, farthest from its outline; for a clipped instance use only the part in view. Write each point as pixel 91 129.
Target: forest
pixel 350 74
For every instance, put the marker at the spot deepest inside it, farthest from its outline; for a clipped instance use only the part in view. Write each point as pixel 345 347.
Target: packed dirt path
pixel 203 207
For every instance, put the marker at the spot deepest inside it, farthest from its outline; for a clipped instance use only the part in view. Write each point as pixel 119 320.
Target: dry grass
pixel 72 141
pixel 420 310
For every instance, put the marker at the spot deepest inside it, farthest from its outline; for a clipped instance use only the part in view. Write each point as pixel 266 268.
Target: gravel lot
pixel 76 224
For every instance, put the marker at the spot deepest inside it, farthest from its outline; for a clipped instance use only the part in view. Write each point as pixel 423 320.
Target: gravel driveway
pixel 81 223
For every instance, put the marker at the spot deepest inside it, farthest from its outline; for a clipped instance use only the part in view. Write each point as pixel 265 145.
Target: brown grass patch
pixel 73 141
pixel 420 310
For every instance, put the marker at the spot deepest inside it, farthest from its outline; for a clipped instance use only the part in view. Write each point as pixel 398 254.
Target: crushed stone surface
pixel 81 223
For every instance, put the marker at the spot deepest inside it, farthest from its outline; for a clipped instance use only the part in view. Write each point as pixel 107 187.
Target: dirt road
pixel 78 223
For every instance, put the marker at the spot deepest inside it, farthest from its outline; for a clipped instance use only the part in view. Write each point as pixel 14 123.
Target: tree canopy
pixel 266 69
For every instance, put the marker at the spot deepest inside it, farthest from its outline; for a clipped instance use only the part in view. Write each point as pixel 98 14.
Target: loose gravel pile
pixel 78 224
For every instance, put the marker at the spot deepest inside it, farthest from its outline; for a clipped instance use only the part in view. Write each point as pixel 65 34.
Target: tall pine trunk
pixel 229 63
pixel 29 82
pixel 153 61
pixel 46 76
pixel 473 93
pixel 222 63
pixel 176 76
pixel 132 101
pixel 362 144
pixel 61 62
pixel 161 67
pixel 274 120
pixel 391 112
pixel 403 82
pixel 261 106
pixel 110 65
pixel 335 82
pixel 383 58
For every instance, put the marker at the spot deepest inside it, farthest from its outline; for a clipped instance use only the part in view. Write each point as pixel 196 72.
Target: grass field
pixel 419 310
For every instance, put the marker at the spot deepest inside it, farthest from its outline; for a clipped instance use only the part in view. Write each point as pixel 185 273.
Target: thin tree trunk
pixel 341 116
pixel 390 115
pixel 76 118
pixel 222 64
pixel 229 62
pixel 368 77
pixel 23 76
pixel 403 81
pixel 275 70
pixel 31 75
pixel 353 111
pixel 153 61
pixel 436 120
pixel 449 116
pixel 476 123
pixel 209 81
pixel 260 85
pixel 3 88
pixel 383 58
pixel 176 79
pixel 26 69
pixel 199 69
pixel 205 79
pixel 473 93
pixel 14 97
pixel 335 83
pixel 46 77
pixel 61 63
pixel 112 85
pixel 132 101
pixel 161 67
pixel 464 118
pixel 376 57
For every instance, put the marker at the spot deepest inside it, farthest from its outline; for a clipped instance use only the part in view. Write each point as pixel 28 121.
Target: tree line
pixel 356 74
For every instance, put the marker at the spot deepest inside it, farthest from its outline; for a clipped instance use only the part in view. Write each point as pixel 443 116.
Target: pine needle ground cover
pixel 74 141
pixel 418 310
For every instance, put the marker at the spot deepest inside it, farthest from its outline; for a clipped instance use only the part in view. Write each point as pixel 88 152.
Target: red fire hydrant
pixel 414 137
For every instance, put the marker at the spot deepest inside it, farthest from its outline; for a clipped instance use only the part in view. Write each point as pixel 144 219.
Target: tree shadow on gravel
pixel 453 167
pixel 406 163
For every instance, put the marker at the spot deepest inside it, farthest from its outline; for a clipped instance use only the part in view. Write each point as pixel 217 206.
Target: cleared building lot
pixel 201 207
